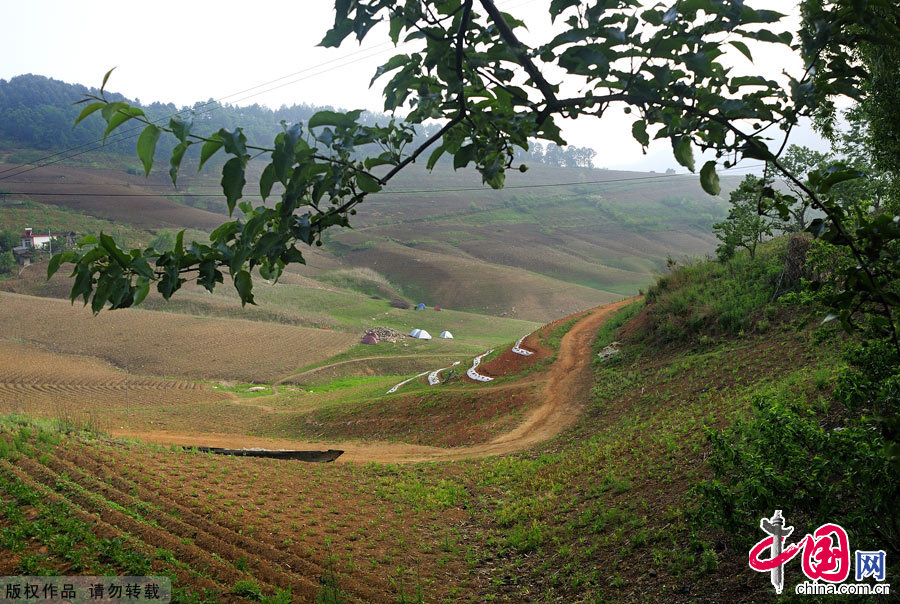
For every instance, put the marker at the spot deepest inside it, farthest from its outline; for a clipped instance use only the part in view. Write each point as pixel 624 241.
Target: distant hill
pixel 554 241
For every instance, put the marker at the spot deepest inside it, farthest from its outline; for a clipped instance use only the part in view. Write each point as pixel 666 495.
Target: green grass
pixel 242 390
pixel 711 298
pixel 351 311
pixel 18 214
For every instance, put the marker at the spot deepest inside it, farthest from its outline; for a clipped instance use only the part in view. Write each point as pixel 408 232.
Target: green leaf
pixel 244 286
pixel 333 118
pixel 105 79
pixel 395 62
pixel 266 180
pixel 142 288
pixel 639 132
pixel 180 128
pixel 463 156
pixel 110 246
pixel 175 160
pixel 83 283
pixel 683 152
pixel 366 183
pixel 178 248
pixel 743 48
pixel 435 155
pixel 709 179
pixel 396 26
pixel 89 109
pixel 233 182
pixel 58 259
pixel 146 146
pixel 118 116
pixel 209 149
pixel 235 142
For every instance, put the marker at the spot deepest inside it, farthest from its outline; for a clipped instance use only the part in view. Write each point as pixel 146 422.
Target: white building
pixel 38 240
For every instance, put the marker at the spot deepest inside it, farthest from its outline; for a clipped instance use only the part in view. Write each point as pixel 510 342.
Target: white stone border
pixel 394 389
pixel 518 347
pixel 474 374
pixel 433 379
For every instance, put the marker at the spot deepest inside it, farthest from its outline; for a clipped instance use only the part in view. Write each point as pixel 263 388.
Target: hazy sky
pixel 190 51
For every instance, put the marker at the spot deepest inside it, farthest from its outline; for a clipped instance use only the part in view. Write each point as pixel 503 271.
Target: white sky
pixel 189 51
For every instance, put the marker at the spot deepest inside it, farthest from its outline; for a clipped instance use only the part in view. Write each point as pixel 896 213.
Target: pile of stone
pixel 609 351
pixel 386 334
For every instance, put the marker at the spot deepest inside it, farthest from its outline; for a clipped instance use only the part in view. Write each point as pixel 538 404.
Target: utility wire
pixel 132 132
pixel 397 192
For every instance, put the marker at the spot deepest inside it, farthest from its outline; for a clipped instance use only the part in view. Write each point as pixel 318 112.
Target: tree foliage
pixel 666 64
pixel 747 224
pixel 9 239
pixel 7 262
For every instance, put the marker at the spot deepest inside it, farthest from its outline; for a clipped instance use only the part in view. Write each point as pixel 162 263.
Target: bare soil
pixel 564 391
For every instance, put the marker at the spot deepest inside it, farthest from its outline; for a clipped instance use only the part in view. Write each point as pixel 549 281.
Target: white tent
pixel 446 335
pixel 415 333
pixel 423 335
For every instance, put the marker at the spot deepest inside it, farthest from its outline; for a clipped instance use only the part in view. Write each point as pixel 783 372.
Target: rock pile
pixel 609 351
pixel 386 334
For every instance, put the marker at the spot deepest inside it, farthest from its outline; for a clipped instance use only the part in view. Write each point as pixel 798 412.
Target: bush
pixel 841 468
pixel 7 263
pixel 247 588
pixel 709 298
pixel 400 303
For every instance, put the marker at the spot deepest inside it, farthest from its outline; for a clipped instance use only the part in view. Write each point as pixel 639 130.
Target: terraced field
pixel 226 528
pixel 168 344
pixel 82 389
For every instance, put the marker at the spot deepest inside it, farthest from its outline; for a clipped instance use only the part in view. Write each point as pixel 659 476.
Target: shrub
pixel 400 303
pixel 818 469
pixel 247 588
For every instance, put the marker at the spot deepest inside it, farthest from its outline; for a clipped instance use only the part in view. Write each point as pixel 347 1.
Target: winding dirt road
pixel 566 384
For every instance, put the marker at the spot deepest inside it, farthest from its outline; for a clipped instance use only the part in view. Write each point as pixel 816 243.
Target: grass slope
pixel 532 252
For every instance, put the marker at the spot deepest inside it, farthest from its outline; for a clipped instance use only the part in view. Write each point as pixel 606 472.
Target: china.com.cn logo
pixel 825 557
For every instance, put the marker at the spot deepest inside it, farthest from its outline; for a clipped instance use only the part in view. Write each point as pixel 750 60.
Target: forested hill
pixel 38 112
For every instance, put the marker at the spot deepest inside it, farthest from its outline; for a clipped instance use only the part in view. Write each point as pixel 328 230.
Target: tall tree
pixel 747 224
pixel 801 161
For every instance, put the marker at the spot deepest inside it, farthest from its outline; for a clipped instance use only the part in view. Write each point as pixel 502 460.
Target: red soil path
pixel 566 390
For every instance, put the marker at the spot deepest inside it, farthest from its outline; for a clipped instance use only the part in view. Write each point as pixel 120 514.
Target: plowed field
pixel 168 344
pixel 215 521
pixel 43 383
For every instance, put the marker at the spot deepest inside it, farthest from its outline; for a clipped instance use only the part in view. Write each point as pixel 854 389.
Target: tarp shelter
pixel 370 338
pixel 420 334
pixel 421 306
pixel 446 335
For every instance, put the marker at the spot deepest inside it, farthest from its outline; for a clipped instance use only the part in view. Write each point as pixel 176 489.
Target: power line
pixel 132 132
pixel 392 192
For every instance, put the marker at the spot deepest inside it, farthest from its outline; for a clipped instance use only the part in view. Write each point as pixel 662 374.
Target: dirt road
pixel 566 383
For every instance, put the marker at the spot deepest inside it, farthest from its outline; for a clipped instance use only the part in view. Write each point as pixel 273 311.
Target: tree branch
pixel 521 51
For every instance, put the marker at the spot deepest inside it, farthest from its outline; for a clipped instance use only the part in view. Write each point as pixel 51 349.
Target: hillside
pixel 606 509
pixel 530 251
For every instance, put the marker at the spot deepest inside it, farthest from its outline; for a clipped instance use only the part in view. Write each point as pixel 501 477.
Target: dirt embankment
pixel 566 387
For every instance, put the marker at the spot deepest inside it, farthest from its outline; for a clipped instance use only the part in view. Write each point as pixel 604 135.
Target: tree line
pixel 38 112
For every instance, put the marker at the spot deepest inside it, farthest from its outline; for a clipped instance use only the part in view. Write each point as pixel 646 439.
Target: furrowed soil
pixel 168 344
pixel 282 525
pixel 597 514
pixel 43 383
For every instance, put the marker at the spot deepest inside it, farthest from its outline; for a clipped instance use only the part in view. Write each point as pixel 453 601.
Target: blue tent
pixel 421 306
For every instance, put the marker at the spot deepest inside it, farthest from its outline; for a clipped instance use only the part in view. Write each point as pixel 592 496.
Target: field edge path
pixel 567 387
